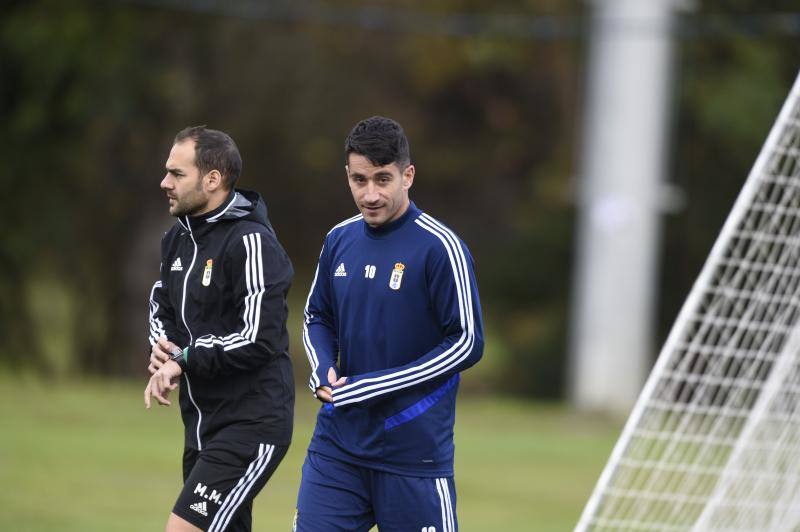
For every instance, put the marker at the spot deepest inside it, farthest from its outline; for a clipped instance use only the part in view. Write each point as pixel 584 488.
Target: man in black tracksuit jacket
pixel 218 327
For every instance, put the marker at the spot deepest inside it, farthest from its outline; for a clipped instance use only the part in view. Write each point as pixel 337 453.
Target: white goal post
pixel 713 442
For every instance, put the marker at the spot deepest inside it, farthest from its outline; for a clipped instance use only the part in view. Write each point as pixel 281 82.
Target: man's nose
pixel 166 183
pixel 371 194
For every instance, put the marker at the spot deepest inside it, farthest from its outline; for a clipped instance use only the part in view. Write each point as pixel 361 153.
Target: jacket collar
pixel 194 222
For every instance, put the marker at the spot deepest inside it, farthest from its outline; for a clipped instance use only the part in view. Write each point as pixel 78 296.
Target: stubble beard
pixel 186 206
pixel 190 204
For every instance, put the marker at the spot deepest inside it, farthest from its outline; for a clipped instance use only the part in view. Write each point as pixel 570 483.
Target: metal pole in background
pixel 625 132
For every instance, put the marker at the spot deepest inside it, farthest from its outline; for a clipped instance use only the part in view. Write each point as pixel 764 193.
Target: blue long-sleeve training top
pixel 395 309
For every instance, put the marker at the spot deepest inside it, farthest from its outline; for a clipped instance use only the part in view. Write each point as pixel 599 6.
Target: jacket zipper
pixel 191 338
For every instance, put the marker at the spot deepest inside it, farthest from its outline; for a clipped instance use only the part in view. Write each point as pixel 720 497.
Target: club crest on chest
pixel 396 278
pixel 207 272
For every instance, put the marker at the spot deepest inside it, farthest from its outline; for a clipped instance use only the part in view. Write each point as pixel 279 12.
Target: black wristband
pixel 181 356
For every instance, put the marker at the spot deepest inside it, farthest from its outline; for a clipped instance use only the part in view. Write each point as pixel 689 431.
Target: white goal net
pixel 713 442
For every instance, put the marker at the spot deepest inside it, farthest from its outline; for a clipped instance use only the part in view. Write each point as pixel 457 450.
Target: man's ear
pixel 213 181
pixel 408 176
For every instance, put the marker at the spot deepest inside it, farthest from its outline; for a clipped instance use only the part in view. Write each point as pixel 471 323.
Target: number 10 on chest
pixel 395 279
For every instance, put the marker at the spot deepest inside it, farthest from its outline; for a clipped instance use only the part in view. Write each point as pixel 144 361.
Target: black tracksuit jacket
pixel 222 293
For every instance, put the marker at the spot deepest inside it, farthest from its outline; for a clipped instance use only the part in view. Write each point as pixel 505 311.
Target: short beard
pixel 185 206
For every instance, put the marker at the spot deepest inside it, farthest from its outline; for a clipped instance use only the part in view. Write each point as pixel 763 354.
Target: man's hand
pixel 162 382
pixel 324 393
pixel 160 353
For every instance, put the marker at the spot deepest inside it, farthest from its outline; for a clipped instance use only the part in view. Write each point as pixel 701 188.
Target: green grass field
pixel 89 457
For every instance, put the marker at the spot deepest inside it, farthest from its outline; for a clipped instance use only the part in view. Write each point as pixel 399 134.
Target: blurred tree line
pixel 92 92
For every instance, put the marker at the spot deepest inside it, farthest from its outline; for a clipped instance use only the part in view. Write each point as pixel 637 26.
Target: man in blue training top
pixel 392 318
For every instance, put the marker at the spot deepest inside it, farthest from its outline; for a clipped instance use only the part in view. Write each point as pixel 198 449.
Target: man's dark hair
pixel 214 150
pixel 381 140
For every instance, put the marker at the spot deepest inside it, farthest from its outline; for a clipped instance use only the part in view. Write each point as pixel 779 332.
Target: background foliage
pixel 490 93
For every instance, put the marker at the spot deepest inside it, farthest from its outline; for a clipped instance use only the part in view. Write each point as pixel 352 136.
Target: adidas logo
pixel 200 507
pixel 176 266
pixel 340 271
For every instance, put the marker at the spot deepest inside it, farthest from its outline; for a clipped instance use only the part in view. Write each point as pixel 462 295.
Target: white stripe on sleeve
pixel 311 351
pixel 156 326
pixel 251 315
